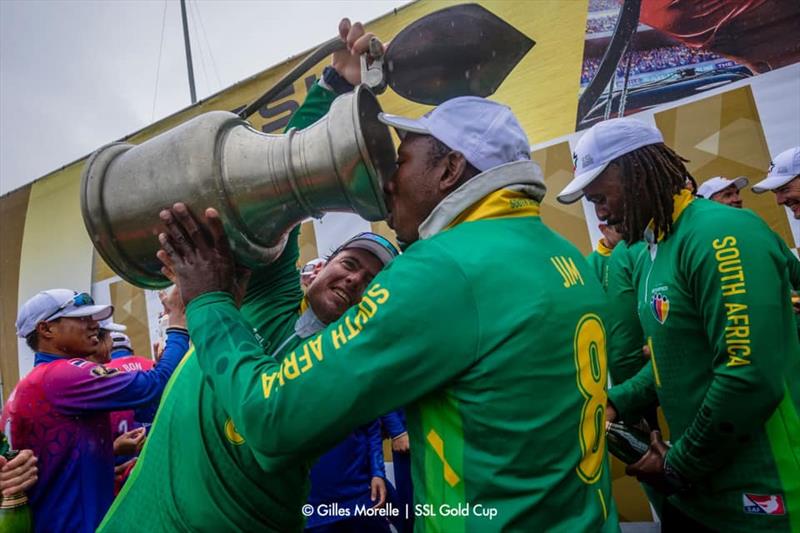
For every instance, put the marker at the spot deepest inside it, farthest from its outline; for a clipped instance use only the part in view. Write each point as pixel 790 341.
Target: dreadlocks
pixel 651 176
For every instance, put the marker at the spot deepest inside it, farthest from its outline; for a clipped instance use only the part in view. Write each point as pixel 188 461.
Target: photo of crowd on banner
pixel 677 50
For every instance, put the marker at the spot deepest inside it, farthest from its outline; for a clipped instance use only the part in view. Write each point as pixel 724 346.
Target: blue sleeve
pixel 377 466
pixel 394 423
pixel 78 385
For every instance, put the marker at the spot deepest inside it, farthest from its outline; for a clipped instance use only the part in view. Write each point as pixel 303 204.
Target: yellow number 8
pixel 591 367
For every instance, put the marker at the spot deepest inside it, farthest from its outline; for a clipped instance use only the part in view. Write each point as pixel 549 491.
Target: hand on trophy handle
pixel 347 62
pixel 197 252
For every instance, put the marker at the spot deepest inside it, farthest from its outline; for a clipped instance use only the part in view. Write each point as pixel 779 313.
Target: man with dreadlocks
pixel 724 354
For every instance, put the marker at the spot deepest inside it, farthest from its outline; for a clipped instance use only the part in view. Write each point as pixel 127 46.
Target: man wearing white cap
pixel 489 327
pixel 784 180
pixel 60 409
pixel 723 191
pixel 724 351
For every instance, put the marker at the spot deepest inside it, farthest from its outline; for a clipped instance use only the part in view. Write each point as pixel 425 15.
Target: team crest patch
pixel 763 504
pixel 659 303
pixel 101 371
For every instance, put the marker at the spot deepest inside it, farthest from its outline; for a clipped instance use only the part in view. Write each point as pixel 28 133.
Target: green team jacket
pixel 196 472
pixel 598 262
pixel 505 387
pixel 714 307
pixel 625 336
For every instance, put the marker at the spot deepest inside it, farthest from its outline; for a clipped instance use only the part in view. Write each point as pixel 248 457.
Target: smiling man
pixel 60 410
pixel 713 300
pixel 723 191
pixel 784 180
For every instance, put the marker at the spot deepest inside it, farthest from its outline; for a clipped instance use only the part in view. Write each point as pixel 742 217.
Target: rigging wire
pixel 204 33
pixel 158 64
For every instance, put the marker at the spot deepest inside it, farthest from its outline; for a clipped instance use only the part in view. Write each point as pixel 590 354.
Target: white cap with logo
pixel 603 143
pixel 712 186
pixel 782 170
pixel 486 132
pixel 58 303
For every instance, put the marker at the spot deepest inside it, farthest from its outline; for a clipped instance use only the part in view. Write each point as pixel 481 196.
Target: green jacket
pixel 598 262
pixel 714 306
pixel 500 361
pixel 196 472
pixel 625 336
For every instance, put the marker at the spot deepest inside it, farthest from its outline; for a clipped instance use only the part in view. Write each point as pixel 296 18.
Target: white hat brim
pixel 97 312
pixel 741 182
pixel 772 183
pixel 113 326
pixel 574 189
pixel 404 124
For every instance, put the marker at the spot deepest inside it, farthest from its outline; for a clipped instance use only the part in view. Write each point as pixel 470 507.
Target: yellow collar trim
pixel 303 305
pixel 503 203
pixel 602 249
pixel 680 202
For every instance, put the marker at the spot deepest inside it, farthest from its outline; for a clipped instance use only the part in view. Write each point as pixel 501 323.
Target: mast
pixel 188 52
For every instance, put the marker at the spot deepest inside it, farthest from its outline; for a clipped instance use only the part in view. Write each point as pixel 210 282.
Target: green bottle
pixel 15 514
pixel 626 443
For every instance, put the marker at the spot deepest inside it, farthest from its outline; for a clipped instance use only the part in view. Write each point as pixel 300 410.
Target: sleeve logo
pixel 763 504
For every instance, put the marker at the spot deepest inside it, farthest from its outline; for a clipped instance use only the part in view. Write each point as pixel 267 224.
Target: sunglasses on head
pixel 79 300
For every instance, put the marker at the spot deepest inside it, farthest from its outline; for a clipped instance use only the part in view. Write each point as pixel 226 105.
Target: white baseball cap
pixel 603 143
pixel 486 132
pixel 782 170
pixel 120 340
pixel 109 325
pixel 712 186
pixel 58 303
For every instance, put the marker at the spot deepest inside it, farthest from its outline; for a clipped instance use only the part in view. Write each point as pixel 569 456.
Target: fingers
pixel 344 28
pixel 356 31
pixel 217 230
pixel 174 241
pixel 361 45
pixel 197 238
pixel 23 459
pixel 19 474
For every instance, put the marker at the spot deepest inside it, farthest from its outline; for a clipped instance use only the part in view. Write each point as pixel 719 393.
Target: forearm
pixel 284 408
pixel 633 396
pixel 393 422
pixel 146 390
pixel 734 408
pixel 375 446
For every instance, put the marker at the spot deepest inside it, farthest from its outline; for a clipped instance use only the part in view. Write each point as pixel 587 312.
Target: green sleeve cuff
pixel 209 298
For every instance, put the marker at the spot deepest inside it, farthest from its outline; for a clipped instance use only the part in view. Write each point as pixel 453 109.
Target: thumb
pixel 655 438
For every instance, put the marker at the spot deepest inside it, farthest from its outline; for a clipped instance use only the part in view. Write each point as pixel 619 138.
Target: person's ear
pixel 455 166
pixel 45 330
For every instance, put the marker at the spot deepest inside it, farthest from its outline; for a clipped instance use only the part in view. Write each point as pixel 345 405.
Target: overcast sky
pixel 75 75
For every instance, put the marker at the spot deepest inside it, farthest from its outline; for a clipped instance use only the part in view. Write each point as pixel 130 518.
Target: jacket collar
pixel 308 323
pixel 602 249
pixel 41 358
pixel 510 190
pixel 681 202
